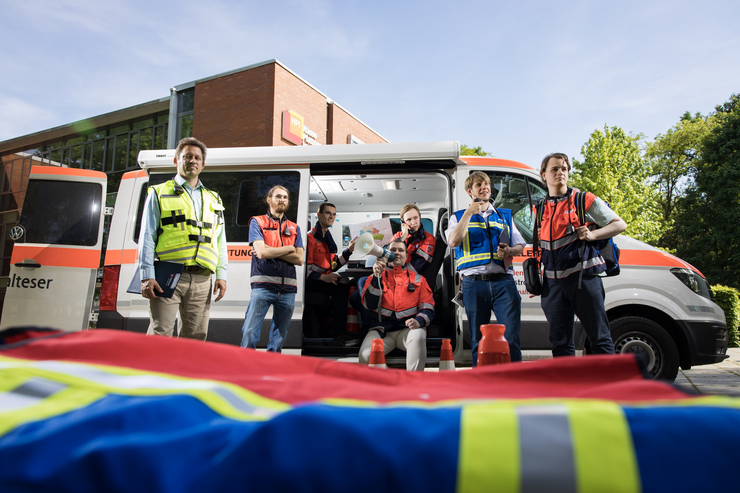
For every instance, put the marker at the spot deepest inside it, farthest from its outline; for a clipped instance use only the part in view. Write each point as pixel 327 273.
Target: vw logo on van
pixel 17 233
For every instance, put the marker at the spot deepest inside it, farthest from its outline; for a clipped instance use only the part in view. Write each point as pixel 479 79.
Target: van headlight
pixel 694 282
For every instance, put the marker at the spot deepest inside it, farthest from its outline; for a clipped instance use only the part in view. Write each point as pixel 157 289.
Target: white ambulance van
pixel 57 247
pixel 659 305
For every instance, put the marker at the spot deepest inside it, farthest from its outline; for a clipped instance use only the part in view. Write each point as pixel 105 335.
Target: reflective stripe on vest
pixel 568 446
pixel 36 390
pixel 480 244
pixel 183 237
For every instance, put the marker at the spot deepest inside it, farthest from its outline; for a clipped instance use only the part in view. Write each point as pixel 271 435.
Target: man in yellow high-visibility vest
pixel 183 222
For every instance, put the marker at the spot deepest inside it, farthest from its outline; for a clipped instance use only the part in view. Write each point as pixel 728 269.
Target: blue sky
pixel 521 79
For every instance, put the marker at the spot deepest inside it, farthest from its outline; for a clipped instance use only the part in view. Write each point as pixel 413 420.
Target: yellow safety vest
pixel 183 237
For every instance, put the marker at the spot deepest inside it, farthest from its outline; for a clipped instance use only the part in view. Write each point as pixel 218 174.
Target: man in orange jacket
pixel 321 264
pixel 398 305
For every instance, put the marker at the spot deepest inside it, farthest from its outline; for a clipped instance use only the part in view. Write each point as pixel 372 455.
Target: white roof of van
pixel 360 153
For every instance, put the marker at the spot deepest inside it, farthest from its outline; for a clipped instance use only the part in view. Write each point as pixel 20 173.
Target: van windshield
pixel 509 191
pixel 61 213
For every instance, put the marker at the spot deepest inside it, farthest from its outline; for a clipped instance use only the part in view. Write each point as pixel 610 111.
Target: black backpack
pixel 608 250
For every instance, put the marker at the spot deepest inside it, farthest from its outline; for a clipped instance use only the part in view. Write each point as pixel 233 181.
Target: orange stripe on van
pixel 490 161
pixel 636 257
pixel 56 256
pixel 240 253
pixel 653 258
pixel 118 257
pixel 134 174
pixel 131 255
pixel 54 170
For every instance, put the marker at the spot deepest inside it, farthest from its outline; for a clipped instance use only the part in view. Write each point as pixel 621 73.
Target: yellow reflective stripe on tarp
pixel 85 383
pixel 488 459
pixel 23 399
pixel 551 445
pixel 603 449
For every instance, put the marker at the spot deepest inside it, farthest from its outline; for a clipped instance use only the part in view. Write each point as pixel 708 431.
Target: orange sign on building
pixel 293 127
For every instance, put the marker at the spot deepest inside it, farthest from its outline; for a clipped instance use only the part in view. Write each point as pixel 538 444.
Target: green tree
pixel 672 159
pixel 707 217
pixel 472 151
pixel 613 169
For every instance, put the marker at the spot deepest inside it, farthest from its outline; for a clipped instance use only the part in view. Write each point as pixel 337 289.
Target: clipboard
pixel 167 275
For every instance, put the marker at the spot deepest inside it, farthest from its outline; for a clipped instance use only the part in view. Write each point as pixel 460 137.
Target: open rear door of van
pixel 57 250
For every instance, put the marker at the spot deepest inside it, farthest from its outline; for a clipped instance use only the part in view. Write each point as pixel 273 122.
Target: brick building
pixel 265 104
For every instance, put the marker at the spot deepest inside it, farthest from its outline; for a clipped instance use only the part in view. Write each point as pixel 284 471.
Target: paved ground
pixel 722 378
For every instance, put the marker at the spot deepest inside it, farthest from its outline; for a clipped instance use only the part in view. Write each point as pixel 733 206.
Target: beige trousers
pixel 193 299
pixel 413 341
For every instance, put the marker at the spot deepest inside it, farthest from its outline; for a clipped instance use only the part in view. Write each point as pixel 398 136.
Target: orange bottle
pixel 493 349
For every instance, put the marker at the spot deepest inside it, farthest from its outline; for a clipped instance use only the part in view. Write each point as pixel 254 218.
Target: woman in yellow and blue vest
pixel 485 240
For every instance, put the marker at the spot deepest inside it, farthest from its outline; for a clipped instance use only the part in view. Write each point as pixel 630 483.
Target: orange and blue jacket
pixel 563 254
pixel 405 294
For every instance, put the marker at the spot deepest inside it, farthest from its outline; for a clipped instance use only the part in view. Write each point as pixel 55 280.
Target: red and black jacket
pixel 563 254
pixel 275 274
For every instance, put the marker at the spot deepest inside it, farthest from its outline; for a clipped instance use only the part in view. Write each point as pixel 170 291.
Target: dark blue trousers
pixel 561 302
pixel 501 296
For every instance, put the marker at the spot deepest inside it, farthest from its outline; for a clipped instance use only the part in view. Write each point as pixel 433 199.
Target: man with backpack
pixel 571 258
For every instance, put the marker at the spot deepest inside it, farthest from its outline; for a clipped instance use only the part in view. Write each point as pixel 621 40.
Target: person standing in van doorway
pixel 485 240
pixel 567 249
pixel 183 222
pixel 419 243
pixel 277 248
pixel 321 263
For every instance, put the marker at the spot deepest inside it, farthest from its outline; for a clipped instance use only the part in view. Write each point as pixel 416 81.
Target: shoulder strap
pixel 581 207
pixel 539 210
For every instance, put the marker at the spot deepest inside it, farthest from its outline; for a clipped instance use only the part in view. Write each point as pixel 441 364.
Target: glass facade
pixel 112 150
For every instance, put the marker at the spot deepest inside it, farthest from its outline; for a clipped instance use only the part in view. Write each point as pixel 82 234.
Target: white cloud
pixel 19 117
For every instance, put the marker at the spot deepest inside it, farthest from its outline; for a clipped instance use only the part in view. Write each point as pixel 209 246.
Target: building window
pixel 185 106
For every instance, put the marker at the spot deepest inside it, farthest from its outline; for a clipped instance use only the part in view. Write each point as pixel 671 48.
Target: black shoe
pixel 346 339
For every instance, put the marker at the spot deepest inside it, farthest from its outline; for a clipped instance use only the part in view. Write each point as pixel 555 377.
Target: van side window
pixel 253 188
pixel 61 213
pixel 243 194
pixel 140 211
pixel 516 192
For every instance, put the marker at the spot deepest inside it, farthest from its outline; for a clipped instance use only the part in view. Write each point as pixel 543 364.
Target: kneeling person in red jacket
pixel 406 309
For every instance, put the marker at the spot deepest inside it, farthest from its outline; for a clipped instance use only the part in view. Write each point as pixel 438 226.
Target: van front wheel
pixel 642 336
